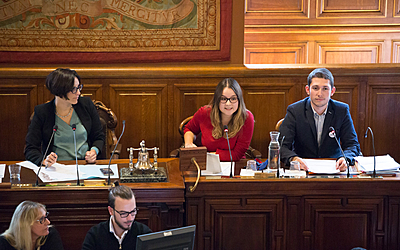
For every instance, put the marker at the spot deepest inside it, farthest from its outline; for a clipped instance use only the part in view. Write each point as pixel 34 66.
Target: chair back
pixel 109 122
pixel 181 128
pixel 278 124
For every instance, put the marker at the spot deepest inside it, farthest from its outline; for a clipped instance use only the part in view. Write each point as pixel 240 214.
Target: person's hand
pixel 303 165
pixel 50 159
pixel 189 138
pixel 341 164
pixel 190 145
pixel 91 156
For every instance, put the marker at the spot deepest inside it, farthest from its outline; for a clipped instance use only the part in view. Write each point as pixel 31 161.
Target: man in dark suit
pixel 307 122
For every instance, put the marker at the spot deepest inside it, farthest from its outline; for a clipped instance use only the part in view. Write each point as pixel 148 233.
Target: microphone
pixel 55 127
pixel 332 134
pixel 373 147
pixel 229 146
pixel 76 155
pixel 109 163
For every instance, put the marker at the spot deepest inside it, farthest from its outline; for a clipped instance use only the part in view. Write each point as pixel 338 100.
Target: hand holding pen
pixel 50 160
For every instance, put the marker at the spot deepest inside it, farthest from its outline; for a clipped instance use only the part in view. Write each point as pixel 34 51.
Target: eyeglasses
pixel 124 214
pixel 233 99
pixel 75 89
pixel 43 219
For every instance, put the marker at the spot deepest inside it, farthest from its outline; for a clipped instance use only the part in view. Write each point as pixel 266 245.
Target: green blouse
pixel 64 139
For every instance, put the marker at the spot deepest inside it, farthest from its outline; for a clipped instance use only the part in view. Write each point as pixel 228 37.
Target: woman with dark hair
pixel 226 108
pixel 68 108
pixel 30 230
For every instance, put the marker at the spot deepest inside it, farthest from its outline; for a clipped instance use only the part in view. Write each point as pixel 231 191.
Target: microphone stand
pixel 55 127
pixel 347 163
pixel 76 156
pixel 373 147
pixel 109 163
pixel 332 130
pixel 229 147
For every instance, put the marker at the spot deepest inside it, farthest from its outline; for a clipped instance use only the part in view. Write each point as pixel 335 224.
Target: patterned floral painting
pixel 109 25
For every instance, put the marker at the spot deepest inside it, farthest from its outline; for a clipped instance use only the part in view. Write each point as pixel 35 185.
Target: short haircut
pixel 61 81
pixel 123 192
pixel 321 73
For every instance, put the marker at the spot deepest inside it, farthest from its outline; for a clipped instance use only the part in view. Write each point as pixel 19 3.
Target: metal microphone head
pixel 73 127
pixel 225 128
pixel 55 127
pixel 366 132
pixel 332 133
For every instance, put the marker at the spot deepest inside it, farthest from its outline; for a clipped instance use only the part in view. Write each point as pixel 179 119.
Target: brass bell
pixel 143 162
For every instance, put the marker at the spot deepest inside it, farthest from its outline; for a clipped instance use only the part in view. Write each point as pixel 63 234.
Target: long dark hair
pixel 238 118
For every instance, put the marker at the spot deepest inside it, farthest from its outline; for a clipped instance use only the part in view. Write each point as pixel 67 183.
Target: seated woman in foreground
pixel 226 108
pixel 67 109
pixel 30 230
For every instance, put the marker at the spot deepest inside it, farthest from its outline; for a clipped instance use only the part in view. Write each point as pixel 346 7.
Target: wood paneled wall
pixel 154 100
pixel 321 32
pixel 295 214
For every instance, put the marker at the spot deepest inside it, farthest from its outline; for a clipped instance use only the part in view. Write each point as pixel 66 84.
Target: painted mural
pixel 109 25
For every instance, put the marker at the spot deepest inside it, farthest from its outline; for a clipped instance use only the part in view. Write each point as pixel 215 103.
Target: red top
pixel 201 122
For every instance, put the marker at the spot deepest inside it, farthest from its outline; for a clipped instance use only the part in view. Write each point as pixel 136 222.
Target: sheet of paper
pixel 225 170
pixel 294 173
pixel 316 166
pixel 383 162
pixel 2 170
pixel 29 165
pixel 213 164
pixel 321 166
pixel 248 172
pixel 61 172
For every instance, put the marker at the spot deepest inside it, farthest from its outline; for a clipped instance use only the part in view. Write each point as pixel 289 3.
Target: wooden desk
pixel 296 214
pixel 73 210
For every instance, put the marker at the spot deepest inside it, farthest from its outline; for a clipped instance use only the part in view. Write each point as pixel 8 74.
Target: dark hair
pixel 61 81
pixel 238 118
pixel 123 192
pixel 321 73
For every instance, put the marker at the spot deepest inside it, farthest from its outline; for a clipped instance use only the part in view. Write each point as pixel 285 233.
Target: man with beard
pixel 121 231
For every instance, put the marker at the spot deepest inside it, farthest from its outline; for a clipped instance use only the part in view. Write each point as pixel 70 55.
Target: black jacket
pixel 53 242
pixel 299 130
pixel 100 238
pixel 41 128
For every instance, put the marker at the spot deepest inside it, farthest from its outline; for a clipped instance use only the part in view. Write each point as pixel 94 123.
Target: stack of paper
pixel 316 166
pixel 61 172
pixel 321 166
pixel 383 163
